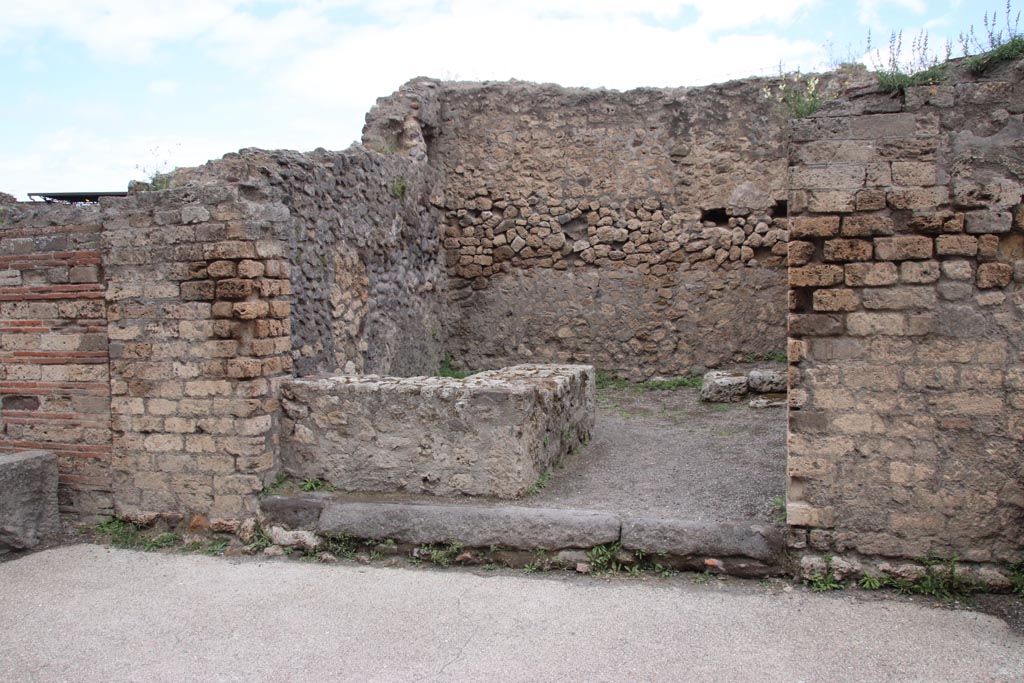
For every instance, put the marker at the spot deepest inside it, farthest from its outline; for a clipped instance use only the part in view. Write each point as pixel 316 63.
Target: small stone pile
pixel 732 386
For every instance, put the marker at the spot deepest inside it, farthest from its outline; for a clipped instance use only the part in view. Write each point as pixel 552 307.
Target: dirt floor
pixel 667 454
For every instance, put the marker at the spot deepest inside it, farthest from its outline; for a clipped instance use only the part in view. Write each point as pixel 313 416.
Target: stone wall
pixel 642 231
pixel 54 383
pixel 907 322
pixel 493 433
pixel 362 237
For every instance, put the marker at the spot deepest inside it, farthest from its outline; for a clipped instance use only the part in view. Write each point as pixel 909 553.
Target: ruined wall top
pixel 718 146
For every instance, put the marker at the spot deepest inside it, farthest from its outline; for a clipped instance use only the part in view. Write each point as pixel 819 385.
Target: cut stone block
pixel 767 381
pixel 721 386
pixel 472 525
pixel 769 401
pixel 703 539
pixel 28 499
pixel 492 433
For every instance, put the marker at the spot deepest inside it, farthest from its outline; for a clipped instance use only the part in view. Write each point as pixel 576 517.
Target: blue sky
pixel 98 92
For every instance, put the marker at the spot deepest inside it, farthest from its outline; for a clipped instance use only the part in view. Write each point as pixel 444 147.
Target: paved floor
pixel 85 613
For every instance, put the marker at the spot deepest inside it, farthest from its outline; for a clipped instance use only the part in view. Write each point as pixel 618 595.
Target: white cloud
pixel 312 68
pixel 870 14
pixel 162 87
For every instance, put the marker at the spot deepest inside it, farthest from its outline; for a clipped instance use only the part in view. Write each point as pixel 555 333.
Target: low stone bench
pixel 493 433
pixel 28 499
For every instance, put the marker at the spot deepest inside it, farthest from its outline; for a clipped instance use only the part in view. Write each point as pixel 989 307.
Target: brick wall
pixel 199 326
pixel 54 382
pixel 907 323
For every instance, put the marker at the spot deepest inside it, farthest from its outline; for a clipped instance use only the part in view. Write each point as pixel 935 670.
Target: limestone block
pixel 28 499
pixel 492 433
pixel 769 401
pixel 721 386
pixel 474 526
pixel 767 381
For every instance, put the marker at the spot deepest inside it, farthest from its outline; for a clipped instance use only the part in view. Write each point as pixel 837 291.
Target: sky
pixel 99 92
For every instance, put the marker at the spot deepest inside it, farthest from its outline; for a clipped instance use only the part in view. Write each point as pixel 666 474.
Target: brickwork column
pixel 199 327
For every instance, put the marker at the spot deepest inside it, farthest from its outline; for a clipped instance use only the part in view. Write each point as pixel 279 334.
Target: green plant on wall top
pixel 997 45
pixel 159 172
pixel 921 67
pixel 924 66
pixel 799 95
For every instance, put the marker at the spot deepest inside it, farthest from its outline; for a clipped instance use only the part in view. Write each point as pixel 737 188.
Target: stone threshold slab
pixel 745 548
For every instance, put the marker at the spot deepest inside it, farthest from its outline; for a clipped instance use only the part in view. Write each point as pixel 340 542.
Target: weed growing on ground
pixel 606 381
pixel 260 539
pixel 703 578
pixel 121 533
pixel 315 484
pixel 821 582
pixel 450 369
pixel 215 548
pixel 941 580
pixel 603 559
pixel 164 540
pixel 536 487
pixel 399 187
pixel 277 486
pixel 1017 579
pixel 779 509
pixel 871 582
pixel 341 546
pixel 442 555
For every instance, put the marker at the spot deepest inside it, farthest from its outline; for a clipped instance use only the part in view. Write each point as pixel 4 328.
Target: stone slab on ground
pixel 28 499
pixel 724 386
pixel 492 433
pixel 768 381
pixel 472 525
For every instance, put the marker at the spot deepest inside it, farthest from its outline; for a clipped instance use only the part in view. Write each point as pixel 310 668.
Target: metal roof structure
pixel 73 197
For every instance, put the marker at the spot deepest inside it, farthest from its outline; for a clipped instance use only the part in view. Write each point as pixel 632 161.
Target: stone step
pixel 735 547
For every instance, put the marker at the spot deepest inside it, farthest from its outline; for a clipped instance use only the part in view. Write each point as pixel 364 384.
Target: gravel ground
pixel 85 613
pixel 666 454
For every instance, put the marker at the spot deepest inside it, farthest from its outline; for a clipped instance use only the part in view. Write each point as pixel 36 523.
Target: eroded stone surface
pixel 28 499
pixel 767 381
pixel 723 386
pixel 471 525
pixel 703 539
pixel 492 433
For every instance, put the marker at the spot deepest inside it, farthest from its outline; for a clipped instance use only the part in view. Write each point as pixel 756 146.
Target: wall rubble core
pixel 148 341
pixel 491 434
